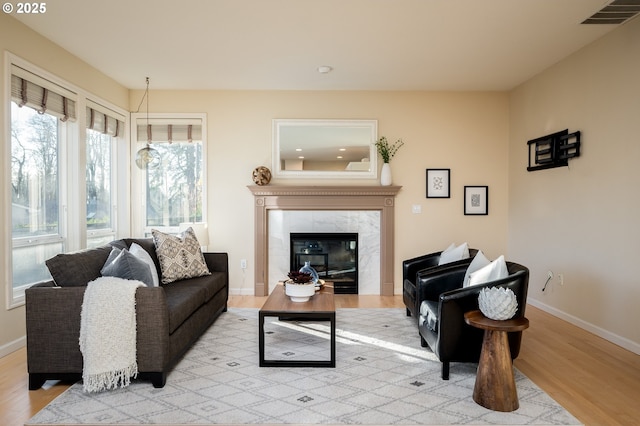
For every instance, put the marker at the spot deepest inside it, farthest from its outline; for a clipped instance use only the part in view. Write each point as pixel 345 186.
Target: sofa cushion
pixel 77 268
pixel 144 256
pixel 186 296
pixel 182 301
pixel 123 264
pixel 146 243
pixel 180 256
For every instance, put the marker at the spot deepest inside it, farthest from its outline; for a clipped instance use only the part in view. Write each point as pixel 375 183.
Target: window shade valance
pixel 42 95
pixel 158 130
pixel 102 121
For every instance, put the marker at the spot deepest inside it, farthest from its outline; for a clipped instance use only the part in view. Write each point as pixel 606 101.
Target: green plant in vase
pixel 387 151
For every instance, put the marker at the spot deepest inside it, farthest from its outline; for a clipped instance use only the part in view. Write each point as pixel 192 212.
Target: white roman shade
pixel 42 95
pixel 104 120
pixel 169 130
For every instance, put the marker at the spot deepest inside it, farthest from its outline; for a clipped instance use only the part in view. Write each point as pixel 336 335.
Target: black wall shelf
pixel 553 150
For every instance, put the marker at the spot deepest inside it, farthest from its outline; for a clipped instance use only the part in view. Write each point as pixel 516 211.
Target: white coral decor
pixel 497 303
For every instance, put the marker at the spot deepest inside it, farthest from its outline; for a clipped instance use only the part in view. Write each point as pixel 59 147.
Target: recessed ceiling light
pixel 298 149
pixel 342 149
pixel 324 69
pixel 301 157
pixel 339 156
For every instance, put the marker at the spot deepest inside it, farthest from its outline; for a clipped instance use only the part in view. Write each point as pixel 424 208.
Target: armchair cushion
pixel 479 261
pixel 454 253
pixel 429 313
pixel 493 271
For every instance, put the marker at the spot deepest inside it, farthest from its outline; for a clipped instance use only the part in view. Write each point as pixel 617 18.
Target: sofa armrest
pixel 53 328
pixel 217 262
pixel 152 324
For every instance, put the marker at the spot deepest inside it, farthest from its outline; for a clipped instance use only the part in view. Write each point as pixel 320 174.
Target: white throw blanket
pixel 108 333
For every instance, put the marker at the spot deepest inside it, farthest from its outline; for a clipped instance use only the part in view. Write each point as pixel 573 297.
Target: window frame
pixel 138 186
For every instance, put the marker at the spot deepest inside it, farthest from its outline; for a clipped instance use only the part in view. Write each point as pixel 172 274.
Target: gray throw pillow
pixel 77 268
pixel 123 264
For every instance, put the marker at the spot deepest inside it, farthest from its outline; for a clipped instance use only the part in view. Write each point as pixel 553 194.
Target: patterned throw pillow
pixel 180 256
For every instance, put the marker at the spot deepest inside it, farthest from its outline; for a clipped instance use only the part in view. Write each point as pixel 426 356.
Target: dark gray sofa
pixel 170 318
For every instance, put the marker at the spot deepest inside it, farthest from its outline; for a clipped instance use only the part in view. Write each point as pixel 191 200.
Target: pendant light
pixel 147 157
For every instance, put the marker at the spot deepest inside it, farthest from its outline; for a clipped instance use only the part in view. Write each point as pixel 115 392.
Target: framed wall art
pixel 476 200
pixel 438 183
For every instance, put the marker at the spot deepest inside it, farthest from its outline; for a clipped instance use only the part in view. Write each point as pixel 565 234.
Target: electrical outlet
pixel 243 263
pixel 550 275
pixel 561 279
pixel 416 209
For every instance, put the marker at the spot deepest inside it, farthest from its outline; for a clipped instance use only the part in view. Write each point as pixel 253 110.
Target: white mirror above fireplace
pixel 325 149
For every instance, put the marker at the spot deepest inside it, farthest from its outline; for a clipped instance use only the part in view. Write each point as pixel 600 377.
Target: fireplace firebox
pixel 333 255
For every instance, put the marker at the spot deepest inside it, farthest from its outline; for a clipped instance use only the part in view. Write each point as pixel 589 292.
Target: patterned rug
pixel 382 377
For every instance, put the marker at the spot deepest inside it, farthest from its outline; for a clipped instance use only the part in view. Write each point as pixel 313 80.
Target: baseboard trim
pixel 598 331
pixel 13 346
pixel 241 291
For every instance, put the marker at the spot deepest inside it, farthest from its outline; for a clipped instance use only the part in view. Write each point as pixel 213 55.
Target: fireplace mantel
pixel 304 197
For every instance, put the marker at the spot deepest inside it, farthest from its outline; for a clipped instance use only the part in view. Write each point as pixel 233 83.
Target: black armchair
pixel 443 303
pixel 411 271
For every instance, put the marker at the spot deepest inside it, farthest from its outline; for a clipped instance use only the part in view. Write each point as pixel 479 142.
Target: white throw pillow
pixel 493 271
pixel 454 253
pixel 142 254
pixel 479 261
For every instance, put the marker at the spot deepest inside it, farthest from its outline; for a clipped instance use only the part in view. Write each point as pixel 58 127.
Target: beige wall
pixel 21 41
pixel 582 220
pixel 466 132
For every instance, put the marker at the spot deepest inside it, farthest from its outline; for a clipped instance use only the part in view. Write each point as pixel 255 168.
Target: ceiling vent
pixel 616 12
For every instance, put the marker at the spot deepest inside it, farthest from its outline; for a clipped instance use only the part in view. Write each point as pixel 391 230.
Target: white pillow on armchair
pixel 493 271
pixel 454 253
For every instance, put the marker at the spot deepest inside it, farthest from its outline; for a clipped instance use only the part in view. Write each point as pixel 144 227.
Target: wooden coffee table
pixel 319 308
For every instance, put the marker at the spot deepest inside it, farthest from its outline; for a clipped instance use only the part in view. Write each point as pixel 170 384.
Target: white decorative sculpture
pixel 497 303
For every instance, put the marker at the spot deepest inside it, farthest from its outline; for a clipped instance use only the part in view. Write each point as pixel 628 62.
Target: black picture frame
pixel 476 200
pixel 438 183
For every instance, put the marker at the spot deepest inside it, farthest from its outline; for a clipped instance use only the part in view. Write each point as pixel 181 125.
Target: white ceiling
pixel 279 44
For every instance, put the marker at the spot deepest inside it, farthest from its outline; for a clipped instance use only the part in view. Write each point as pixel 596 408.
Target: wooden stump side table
pixel 495 386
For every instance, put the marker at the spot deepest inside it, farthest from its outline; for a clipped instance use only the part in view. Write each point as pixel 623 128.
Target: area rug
pixel 382 377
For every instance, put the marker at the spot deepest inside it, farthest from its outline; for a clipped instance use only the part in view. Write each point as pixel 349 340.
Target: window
pixel 60 199
pixel 35 193
pixel 103 129
pixel 174 190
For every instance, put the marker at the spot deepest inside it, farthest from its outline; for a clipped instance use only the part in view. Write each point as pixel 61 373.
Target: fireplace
pixel 362 198
pixel 333 255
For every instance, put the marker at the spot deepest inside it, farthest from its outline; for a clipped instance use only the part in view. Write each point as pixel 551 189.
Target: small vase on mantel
pixel 385 174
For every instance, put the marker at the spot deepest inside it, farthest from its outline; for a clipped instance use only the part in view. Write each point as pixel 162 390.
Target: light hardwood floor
pixel 597 381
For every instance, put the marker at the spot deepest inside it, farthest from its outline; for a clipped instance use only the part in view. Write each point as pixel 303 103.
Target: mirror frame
pixel 372 173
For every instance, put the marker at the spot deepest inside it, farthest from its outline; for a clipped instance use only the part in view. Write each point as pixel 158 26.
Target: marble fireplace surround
pixel 299 197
